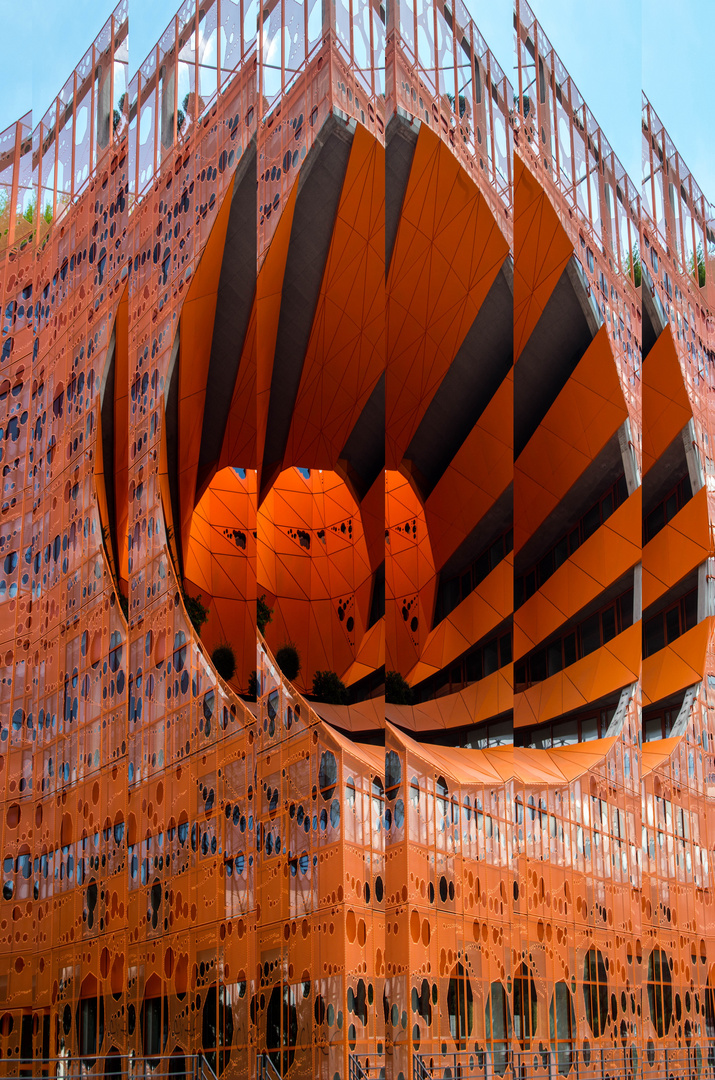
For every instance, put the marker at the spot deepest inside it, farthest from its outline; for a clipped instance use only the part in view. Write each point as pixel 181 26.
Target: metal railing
pixel 205 1070
pixel 628 1062
pixel 265 1069
pixel 366 1067
pixel 108 1066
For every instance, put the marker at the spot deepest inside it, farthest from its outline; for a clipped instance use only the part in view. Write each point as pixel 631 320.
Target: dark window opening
pixel 90 1025
pixel 660 992
pixel 281 1027
pixel 460 1006
pixel 154 1020
pixel 453 590
pixel 497 1025
pixel 526 584
pixel 595 991
pixel 667 508
pixel 217 1028
pixel 670 623
pixel 562 1025
pixel 525 1006
pixel 475 664
pixel 590 634
pixel 658 720
pixel 377 603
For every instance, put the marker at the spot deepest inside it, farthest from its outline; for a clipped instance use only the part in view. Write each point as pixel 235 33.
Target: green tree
pixel 288 660
pixel 633 261
pixel 224 660
pixel 697 265
pixel 198 614
pixel 397 689
pixel 329 688
pixel 264 613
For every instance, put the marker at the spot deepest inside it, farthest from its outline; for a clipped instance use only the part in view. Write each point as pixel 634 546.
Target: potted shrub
pixel 329 688
pixel 288 660
pixel 264 614
pixel 224 661
pixel 397 690
pixel 198 614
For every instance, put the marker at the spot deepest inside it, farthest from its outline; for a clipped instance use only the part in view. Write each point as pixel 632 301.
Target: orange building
pixel 355 564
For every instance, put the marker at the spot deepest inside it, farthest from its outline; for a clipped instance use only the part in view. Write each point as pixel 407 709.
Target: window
pixel 453 590
pixel 562 1024
pixel 667 508
pixel 660 992
pixel 595 991
pixel 154 1019
pixel 670 623
pixel 460 1006
pixel 526 584
pixel 478 663
pixel 590 634
pixel 497 1024
pixel 90 1022
pixel 710 1006
pixel 282 1027
pixel 217 1028
pixel 525 1006
pixel 658 724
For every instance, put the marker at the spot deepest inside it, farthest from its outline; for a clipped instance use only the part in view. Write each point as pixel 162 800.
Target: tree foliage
pixel 288 660
pixel 633 262
pixel 224 660
pixel 397 689
pixel 329 688
pixel 264 613
pixel 198 614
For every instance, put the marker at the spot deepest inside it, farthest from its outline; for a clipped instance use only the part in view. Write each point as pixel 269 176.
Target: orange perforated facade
pixel 356 580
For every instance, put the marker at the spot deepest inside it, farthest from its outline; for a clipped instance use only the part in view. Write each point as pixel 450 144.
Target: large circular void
pixel 305 552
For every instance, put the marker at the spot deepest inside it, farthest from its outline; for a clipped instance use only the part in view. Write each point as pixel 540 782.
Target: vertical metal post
pixel 136 134
pixel 177 49
pixel 112 48
pixel 74 130
pixel 93 111
pixel 218 49
pixel 57 157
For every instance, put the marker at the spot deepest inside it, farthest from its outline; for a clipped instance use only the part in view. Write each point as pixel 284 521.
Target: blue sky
pixel 582 32
pixel 607 45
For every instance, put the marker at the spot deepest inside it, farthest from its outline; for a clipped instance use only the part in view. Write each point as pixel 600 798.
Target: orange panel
pixel 684 543
pixel 487 606
pixel 312 563
pixel 346 351
pixel 480 472
pixel 666 407
pixel 409 575
pixel 602 672
pixel 268 307
pixel 587 412
pixel 541 251
pixel 220 565
pixel 239 441
pixel 678 665
pixel 196 332
pixel 478 701
pixel 602 559
pixel 447 254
